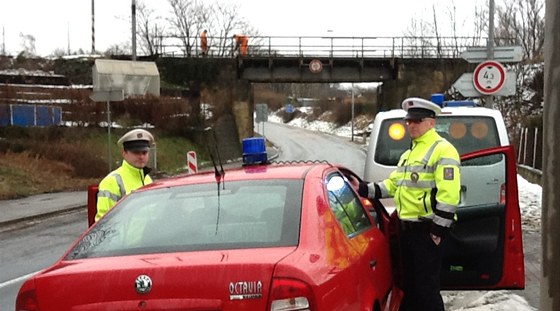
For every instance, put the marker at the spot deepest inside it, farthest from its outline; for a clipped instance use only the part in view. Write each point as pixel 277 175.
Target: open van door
pixel 485 248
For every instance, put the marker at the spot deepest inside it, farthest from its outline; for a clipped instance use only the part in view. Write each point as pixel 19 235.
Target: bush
pixel 83 158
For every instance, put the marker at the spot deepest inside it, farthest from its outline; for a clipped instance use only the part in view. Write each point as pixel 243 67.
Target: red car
pixel 291 236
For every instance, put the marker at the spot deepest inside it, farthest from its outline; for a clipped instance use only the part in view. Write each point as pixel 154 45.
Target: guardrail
pixel 332 47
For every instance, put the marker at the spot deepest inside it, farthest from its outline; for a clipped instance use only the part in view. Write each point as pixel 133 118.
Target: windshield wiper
pixel 219 174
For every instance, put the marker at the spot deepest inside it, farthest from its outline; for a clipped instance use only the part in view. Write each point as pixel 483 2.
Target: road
pixel 302 145
pixel 32 246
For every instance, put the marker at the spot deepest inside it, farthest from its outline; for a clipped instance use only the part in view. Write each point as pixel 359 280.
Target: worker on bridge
pixel 241 42
pixel 203 43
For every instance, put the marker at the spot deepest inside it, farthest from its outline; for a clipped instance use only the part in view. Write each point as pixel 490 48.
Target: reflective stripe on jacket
pixel 426 183
pixel 117 184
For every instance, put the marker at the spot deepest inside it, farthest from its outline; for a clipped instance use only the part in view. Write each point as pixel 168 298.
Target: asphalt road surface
pixel 32 246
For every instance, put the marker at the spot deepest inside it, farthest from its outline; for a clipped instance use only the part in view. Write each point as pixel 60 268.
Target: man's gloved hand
pixel 435 238
pixel 362 188
pixel 355 183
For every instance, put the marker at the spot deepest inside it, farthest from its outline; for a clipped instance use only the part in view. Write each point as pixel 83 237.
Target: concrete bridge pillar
pixel 242 107
pixel 237 121
pixel 420 78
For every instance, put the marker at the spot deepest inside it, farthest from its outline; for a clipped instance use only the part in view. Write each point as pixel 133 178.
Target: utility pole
pixel 352 123
pixel 490 46
pixel 550 215
pixel 3 41
pixel 92 26
pixel 133 30
pixel 68 38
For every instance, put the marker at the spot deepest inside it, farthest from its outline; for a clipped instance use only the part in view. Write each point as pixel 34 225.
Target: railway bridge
pixel 403 66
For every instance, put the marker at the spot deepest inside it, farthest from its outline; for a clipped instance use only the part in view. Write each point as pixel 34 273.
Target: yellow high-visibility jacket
pixel 426 183
pixel 117 184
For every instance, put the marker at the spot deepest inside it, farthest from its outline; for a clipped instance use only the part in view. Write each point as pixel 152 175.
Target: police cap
pixel 419 108
pixel 137 140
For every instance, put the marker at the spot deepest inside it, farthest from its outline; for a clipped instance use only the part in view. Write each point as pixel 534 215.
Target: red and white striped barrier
pixel 192 166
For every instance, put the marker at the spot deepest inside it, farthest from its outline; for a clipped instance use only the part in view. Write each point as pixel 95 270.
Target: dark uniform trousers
pixel 421 259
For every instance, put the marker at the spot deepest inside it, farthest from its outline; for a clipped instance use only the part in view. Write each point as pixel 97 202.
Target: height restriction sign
pixel 489 77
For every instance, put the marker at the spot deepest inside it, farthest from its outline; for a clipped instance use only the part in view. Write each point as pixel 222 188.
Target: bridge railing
pixel 333 47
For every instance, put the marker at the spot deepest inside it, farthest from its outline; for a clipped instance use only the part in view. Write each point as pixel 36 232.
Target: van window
pixel 466 133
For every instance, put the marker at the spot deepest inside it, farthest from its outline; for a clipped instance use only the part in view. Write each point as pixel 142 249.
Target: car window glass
pixel 483 180
pixel 245 214
pixel 392 141
pixel 346 206
pixel 466 133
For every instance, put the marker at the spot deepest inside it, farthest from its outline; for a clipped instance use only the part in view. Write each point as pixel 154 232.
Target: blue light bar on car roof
pixel 254 151
pixel 437 99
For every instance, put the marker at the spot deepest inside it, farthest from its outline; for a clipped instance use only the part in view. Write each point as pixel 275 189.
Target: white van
pixel 467 127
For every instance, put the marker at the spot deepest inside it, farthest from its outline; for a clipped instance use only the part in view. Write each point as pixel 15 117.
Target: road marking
pixel 13 281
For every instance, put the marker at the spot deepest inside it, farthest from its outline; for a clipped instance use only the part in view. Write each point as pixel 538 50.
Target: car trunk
pixel 210 280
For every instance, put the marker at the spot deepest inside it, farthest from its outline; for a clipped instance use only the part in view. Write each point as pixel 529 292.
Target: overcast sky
pixel 63 24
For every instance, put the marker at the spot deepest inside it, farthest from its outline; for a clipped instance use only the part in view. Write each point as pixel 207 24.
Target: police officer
pixel 131 175
pixel 425 187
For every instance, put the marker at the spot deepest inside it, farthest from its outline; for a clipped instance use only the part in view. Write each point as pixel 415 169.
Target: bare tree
pixel 27 44
pixel 480 24
pixel 417 36
pixel 226 21
pixel 477 24
pixel 436 32
pixel 221 21
pixel 183 21
pixel 150 30
pixel 123 48
pixel 429 38
pixel 522 22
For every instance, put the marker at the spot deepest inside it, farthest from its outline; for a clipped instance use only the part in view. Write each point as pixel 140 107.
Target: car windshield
pixel 466 133
pixel 241 214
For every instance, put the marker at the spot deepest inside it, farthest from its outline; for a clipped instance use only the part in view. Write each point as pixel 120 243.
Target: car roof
pixel 281 170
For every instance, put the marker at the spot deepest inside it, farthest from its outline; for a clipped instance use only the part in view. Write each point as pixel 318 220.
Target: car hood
pixel 209 280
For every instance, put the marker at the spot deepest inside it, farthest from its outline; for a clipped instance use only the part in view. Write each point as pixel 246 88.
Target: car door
pixel 369 261
pixel 485 249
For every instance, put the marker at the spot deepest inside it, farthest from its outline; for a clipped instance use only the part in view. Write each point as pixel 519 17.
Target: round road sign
pixel 489 77
pixel 315 66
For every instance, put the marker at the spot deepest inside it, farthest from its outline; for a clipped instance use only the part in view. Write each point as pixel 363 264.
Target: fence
pixel 324 46
pixel 529 151
pixel 529 154
pixel 30 115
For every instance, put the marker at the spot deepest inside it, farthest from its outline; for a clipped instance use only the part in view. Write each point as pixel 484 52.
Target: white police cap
pixel 137 140
pixel 419 108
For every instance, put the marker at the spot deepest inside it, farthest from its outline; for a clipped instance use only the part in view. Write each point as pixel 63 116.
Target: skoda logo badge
pixel 414 176
pixel 143 284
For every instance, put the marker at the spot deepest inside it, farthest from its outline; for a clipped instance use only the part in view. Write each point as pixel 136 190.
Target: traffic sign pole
pixel 490 99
